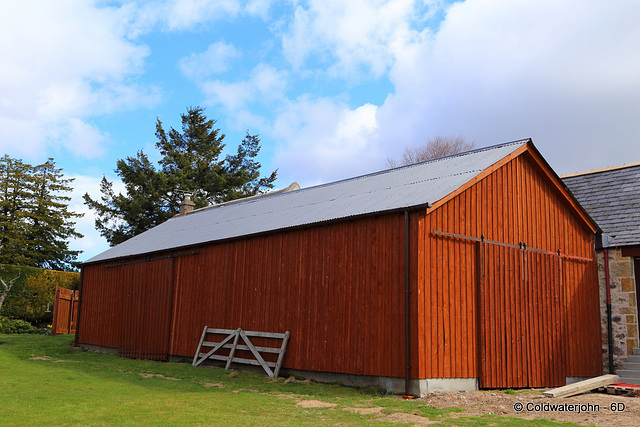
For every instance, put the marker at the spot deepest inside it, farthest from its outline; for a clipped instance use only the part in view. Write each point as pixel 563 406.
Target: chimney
pixel 187 205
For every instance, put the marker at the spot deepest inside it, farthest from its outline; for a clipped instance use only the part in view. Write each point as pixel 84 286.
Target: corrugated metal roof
pixel 388 190
pixel 612 198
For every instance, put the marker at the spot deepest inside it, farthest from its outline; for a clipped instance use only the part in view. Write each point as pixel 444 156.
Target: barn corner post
pixel 480 337
pixel 411 345
pixel 407 307
pixel 75 339
pixel 172 306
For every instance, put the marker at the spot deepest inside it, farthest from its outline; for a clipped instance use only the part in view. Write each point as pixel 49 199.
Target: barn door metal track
pixel 521 245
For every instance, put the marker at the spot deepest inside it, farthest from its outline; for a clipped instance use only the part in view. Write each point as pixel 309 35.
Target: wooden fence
pixel 65 311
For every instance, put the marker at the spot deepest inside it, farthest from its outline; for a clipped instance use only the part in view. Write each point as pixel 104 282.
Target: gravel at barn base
pixel 598 409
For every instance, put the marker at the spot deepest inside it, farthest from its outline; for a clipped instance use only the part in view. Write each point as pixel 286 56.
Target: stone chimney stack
pixel 187 205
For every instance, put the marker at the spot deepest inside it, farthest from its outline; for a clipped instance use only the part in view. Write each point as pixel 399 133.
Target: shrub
pixel 16 326
pixel 33 293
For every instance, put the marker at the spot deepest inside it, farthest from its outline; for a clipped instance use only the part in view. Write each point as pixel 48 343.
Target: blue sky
pixel 333 87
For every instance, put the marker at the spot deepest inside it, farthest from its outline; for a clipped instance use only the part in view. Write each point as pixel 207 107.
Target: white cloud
pixel 323 138
pixel 352 35
pixel 265 84
pixel 561 72
pixel 65 59
pixel 82 139
pixel 92 243
pixel 184 14
pixel 564 73
pixel 259 8
pixel 216 59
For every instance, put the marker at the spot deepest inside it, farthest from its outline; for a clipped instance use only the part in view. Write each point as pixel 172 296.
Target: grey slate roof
pixel 612 199
pixel 389 190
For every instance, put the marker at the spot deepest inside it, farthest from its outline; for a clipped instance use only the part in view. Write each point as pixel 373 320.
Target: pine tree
pixel 191 162
pixel 35 225
pixel 15 186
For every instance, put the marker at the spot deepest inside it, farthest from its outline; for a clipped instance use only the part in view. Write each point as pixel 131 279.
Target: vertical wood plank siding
pixel 100 301
pixel 145 320
pixel 521 320
pixel 65 311
pixel 511 317
pixel 510 328
pixel 338 288
pixel 128 307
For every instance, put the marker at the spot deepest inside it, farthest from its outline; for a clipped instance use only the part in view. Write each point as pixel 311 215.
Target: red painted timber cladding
pixel 146 309
pixel 339 289
pixel 506 331
pixel 100 306
pixel 522 341
pixel 128 307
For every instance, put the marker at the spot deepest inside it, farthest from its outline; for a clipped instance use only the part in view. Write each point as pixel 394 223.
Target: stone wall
pixel 624 312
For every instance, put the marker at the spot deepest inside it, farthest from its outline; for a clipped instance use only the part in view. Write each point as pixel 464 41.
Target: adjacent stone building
pixel 611 196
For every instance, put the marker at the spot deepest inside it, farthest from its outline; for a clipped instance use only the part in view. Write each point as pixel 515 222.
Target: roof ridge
pixel 359 177
pixel 599 170
pixel 294 186
pixel 381 192
pixel 412 165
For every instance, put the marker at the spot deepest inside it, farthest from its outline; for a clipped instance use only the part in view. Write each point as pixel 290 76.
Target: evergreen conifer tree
pixel 191 162
pixel 35 222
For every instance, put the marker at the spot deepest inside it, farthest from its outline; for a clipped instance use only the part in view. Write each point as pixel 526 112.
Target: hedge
pixel 34 292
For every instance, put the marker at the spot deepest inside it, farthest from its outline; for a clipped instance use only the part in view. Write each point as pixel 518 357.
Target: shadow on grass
pixel 43 367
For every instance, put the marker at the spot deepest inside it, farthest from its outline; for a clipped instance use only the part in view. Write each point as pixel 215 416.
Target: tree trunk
pixel 7 288
pixel 5 292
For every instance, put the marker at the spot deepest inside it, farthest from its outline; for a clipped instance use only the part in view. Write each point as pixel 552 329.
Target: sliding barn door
pixel 521 310
pixel 146 291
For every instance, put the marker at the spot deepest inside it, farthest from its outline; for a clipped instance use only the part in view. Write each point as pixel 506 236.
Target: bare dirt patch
pixel 143 375
pixel 589 409
pixel 47 358
pixel 315 404
pixel 401 417
pixel 393 417
pixel 364 411
pixel 285 395
pixel 213 385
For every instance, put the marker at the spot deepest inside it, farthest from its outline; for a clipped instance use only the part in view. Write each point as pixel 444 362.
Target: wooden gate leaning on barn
pixel 65 311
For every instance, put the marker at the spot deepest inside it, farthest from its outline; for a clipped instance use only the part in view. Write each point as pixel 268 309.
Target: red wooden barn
pixel 471 271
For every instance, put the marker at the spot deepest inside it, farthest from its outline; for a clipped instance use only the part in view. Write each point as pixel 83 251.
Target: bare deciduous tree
pixel 439 146
pixel 7 288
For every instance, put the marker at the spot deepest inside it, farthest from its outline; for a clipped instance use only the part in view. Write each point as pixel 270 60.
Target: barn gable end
pixel 508 310
pixel 338 282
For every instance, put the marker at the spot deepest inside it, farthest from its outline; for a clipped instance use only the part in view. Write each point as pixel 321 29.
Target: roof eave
pixel 411 208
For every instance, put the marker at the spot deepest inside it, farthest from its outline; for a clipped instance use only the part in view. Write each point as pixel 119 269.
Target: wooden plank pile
pixel 582 386
pixel 629 390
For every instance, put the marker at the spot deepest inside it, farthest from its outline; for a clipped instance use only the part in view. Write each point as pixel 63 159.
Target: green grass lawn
pixel 43 381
